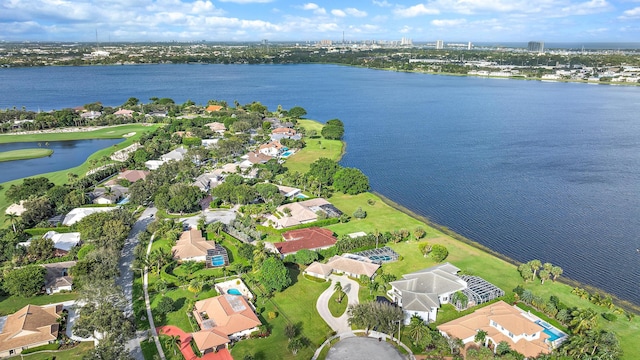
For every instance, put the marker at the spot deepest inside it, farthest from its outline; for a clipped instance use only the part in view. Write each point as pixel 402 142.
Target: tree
pixel 332 132
pixel 109 350
pixel 439 253
pixel 503 348
pixel 338 288
pixel 195 286
pixel 417 329
pixel 173 342
pixel 274 275
pixel 544 275
pixel 306 256
pixel 297 112
pixel 12 218
pixel 323 170
pixel 556 271
pixel 374 314
pixel 583 320
pixel 165 306
pixel 359 213
pixel 350 181
pixel 40 248
pixel 290 331
pixel 480 337
pixel 535 265
pixel 419 233
pixel 26 281
pixel 295 345
pixel 526 272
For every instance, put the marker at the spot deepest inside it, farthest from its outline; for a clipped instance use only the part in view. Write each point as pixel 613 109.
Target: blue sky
pixel 291 20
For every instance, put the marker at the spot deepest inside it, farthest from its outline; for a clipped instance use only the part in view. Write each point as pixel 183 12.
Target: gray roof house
pixel 177 154
pixel 422 292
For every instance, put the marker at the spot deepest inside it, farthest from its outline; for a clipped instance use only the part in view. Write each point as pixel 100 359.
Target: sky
pixel 292 20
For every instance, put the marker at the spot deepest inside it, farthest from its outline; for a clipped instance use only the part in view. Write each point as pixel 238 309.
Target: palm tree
pixel 481 337
pixel 556 271
pixel 338 287
pixel 544 275
pixel 417 329
pixel 376 234
pixel 547 266
pixel 535 265
pixel 503 348
pixel 583 320
pixel 12 217
pixel 195 286
pixel 160 257
pixel 174 342
pixel 374 286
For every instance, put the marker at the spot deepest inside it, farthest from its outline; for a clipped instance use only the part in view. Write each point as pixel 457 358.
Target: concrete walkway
pixel 351 288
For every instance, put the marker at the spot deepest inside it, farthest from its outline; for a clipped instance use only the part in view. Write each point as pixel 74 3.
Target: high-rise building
pixel 536 46
pixel 439 44
pixel 406 41
pixel 469 46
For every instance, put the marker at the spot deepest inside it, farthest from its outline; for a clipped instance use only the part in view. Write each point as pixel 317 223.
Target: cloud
pixel 587 8
pixel 406 29
pixel 355 12
pixel 383 3
pixel 630 14
pixel 448 22
pixel 247 1
pixel 338 13
pixel 416 10
pixel 315 8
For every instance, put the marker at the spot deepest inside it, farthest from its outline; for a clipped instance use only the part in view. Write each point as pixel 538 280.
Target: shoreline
pixel 625 304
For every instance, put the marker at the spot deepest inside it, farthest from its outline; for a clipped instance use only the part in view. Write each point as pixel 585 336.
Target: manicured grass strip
pixel 11 304
pixel 314 149
pixel 77 352
pixel 149 349
pixel 24 154
pixel 110 132
pixel 337 308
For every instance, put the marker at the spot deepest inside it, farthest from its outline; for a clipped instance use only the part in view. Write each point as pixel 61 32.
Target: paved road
pixel 363 348
pixel 125 281
pixel 351 288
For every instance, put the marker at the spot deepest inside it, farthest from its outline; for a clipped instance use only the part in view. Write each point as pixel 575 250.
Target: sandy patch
pixel 129 134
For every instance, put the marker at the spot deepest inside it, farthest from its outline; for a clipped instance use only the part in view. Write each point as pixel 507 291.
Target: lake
pixel 66 154
pixel 530 169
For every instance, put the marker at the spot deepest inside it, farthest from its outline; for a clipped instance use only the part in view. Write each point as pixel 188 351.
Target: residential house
pixel 208 181
pixel 223 319
pixel 129 175
pixel 174 155
pixel 192 246
pixel 289 192
pixel 124 113
pixel 153 164
pixel 301 212
pixel 502 322
pixel 57 277
pixel 256 158
pixel 209 143
pixel 284 133
pixel 78 214
pixel 214 108
pixel 63 242
pixel 29 327
pixel 312 238
pixel 217 127
pixel 348 264
pixel 90 115
pixel 422 292
pixel 106 196
pixel 273 148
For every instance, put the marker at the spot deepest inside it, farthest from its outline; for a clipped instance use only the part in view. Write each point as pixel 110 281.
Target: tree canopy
pixel 274 275
pixel 26 281
pixel 350 181
pixel 324 169
pixel 297 112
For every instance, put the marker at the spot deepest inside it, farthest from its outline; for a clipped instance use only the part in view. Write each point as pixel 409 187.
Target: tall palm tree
pixel 535 265
pixel 481 337
pixel 12 217
pixel 338 287
pixel 417 329
pixel 556 271
pixel 583 320
pixel 544 275
pixel 174 342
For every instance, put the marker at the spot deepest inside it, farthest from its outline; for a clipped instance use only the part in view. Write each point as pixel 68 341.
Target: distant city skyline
pixel 290 20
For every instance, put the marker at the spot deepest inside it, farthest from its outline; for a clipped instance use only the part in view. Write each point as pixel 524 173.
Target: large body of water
pixel 66 154
pixel 533 170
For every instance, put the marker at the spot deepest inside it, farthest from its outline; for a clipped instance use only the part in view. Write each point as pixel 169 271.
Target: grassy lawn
pixel 296 305
pixel 314 149
pixel 61 177
pixel 77 352
pixel 379 215
pixel 11 304
pixel 337 308
pixel 179 317
pixel 149 349
pixel 23 154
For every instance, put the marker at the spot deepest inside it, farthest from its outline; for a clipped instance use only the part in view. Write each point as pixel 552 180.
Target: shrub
pixel 439 253
pixel 609 317
pixel 272 315
pixel 359 213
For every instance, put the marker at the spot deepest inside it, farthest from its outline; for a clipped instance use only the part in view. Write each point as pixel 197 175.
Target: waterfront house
pixel 130 175
pixel 501 322
pixel 124 113
pixel 273 148
pixel 312 238
pixel 284 133
pixel 29 327
pixel 347 264
pixel 302 212
pixel 213 108
pixel 223 319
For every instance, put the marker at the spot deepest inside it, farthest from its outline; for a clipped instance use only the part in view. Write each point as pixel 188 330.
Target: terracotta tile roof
pixel 310 238
pixel 284 130
pixel 258 157
pixel 212 108
pixel 274 144
pixel 227 314
pixel 216 126
pixel 191 244
pixel 28 326
pixel 134 175
pixel 507 317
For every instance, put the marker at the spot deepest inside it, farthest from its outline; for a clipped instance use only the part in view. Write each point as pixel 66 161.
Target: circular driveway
pixel 363 348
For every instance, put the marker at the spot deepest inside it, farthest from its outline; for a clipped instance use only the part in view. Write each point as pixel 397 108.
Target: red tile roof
pixel 212 108
pixel 309 238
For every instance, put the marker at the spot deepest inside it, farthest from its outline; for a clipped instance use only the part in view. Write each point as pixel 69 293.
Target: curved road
pixel 125 281
pixel 351 288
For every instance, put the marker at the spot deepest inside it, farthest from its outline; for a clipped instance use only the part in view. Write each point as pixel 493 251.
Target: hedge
pixel 54 346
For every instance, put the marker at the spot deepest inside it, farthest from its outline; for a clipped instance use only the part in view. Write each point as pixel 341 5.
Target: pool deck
pixel 238 284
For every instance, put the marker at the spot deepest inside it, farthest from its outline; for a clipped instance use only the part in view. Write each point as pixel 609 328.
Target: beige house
pixel 501 322
pixel 301 213
pixel 28 327
pixel 345 264
pixel 222 319
pixel 191 246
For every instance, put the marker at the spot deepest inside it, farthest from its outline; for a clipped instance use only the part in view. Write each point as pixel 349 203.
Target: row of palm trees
pixel 535 268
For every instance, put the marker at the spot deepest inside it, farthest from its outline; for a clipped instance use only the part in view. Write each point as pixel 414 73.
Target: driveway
pixel 363 348
pixel 125 281
pixel 351 288
pixel 224 216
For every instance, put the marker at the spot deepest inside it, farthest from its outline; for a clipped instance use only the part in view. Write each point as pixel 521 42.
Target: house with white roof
pixel 174 155
pixel 78 214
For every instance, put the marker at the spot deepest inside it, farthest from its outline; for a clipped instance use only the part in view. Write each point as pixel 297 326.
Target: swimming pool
pixel 233 291
pixel 554 334
pixel 380 258
pixel 217 260
pixel 286 154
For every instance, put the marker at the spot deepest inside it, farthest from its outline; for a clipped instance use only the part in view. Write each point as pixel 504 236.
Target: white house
pixel 174 155
pixel 78 214
pixel 422 292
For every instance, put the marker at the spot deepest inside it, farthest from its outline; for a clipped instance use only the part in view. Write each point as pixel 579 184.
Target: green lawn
pixel 314 149
pixel 11 304
pixel 182 298
pixel 338 308
pixel 23 154
pixel 296 305
pixel 170 352
pixel 61 177
pixel 149 349
pixel 77 352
